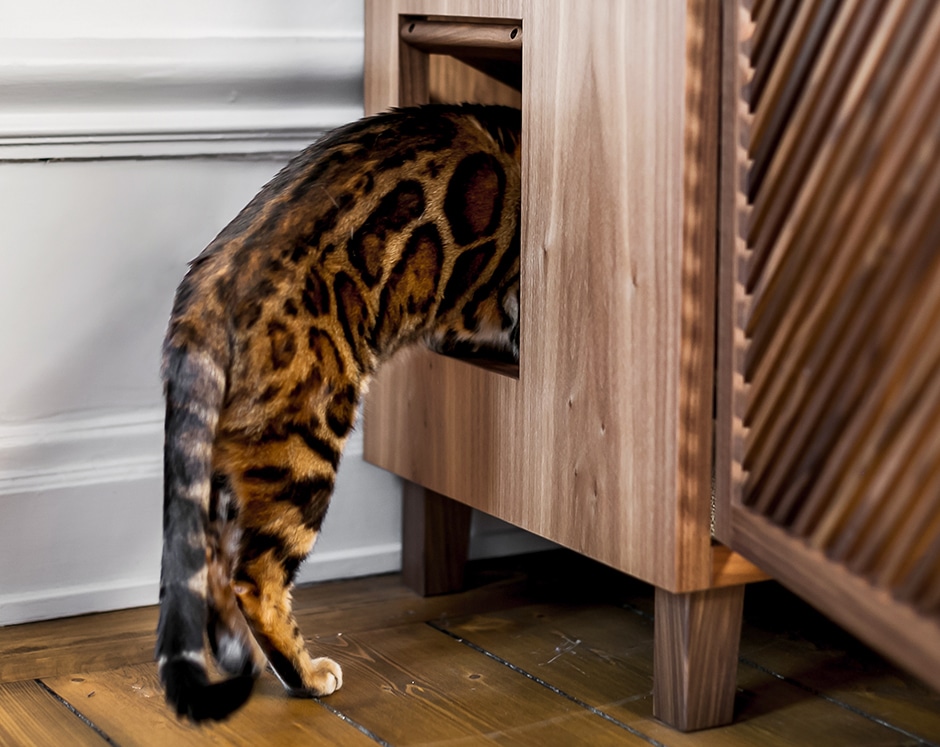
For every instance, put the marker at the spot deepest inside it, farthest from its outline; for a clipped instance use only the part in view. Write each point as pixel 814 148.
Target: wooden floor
pixel 543 650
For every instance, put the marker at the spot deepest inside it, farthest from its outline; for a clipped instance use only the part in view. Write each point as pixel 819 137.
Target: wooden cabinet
pixel 805 135
pixel 601 438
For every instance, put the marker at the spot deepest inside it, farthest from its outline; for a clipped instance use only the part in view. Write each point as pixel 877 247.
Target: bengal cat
pixel 397 229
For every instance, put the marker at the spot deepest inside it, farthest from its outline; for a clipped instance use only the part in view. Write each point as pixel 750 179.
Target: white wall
pixel 129 135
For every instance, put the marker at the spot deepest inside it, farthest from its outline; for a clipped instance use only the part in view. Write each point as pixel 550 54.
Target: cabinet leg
pixel 695 659
pixel 435 541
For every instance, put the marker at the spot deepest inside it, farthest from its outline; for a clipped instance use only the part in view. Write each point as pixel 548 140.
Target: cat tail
pixel 195 388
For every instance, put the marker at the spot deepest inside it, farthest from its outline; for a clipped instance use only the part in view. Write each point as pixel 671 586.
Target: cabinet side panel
pixel 586 448
pixel 602 279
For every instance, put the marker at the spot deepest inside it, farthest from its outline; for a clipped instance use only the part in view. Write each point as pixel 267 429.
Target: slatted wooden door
pixel 829 371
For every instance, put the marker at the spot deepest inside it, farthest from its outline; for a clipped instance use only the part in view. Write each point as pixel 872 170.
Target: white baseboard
pixel 46 604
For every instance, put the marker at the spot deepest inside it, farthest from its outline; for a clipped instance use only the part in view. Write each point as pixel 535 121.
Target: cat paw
pixel 327 677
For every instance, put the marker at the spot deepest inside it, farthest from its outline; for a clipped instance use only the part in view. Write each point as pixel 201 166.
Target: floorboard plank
pixel 77 644
pixel 785 635
pixel 30 716
pixel 416 685
pixel 127 704
pixel 602 655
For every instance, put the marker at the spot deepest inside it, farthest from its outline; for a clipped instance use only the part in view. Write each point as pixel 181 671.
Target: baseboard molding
pixel 46 604
pixel 174 97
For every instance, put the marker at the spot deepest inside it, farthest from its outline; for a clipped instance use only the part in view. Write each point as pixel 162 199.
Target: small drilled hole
pixel 411 28
pixel 514 33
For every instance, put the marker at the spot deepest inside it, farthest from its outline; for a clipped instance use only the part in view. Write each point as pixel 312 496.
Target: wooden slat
pixel 880 304
pixel 841 182
pixel 757 8
pixel 917 529
pixel 768 421
pixel 31 717
pixel 809 416
pixel 801 144
pixel 768 37
pixel 898 356
pixel 891 462
pixel 829 449
pixel 786 84
pixel 831 182
pixel 884 554
pixel 921 586
pixel 732 255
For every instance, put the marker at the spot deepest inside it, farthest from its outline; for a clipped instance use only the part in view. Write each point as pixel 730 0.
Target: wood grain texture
pixel 696 657
pixel 453 82
pixel 77 644
pixel 418 686
pixel 603 443
pixel 435 541
pixel 30 716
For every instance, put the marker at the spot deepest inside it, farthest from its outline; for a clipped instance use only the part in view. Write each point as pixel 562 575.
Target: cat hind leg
pixel 279 523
